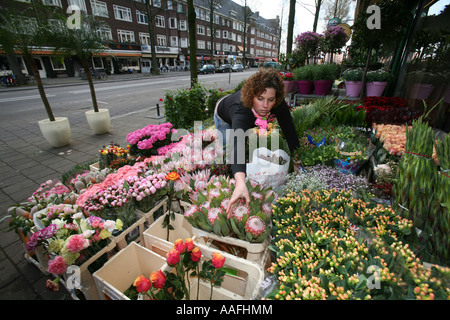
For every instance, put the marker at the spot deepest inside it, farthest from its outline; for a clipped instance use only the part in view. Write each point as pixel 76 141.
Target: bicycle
pixel 95 74
pixel 8 80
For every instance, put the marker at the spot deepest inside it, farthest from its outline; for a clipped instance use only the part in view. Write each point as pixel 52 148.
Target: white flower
pixel 77 215
pixel 109 225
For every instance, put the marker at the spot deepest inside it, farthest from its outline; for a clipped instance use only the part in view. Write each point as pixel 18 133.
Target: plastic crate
pixel 119 273
pixel 255 252
pixel 155 237
pixel 243 283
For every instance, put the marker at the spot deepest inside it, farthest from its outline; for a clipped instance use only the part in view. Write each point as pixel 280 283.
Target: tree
pixel 82 42
pixel 23 33
pixel 316 14
pixel 290 32
pixel 192 41
pixel 150 19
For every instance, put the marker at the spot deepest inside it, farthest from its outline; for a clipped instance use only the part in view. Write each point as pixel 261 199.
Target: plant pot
pixel 57 133
pixel 289 86
pixel 353 88
pixel 375 89
pixel 323 87
pixel 305 86
pixel 98 121
pixel 421 91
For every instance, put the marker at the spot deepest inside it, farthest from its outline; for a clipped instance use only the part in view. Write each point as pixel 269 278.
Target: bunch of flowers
pixel 321 177
pixel 249 223
pixel 82 181
pixel 334 38
pixel 146 189
pixel 379 75
pixel 51 191
pixel 110 153
pixel 332 246
pixel 147 141
pixel 388 110
pixel 56 212
pixel 308 43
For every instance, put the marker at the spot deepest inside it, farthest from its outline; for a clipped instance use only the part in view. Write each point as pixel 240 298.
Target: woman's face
pixel 264 102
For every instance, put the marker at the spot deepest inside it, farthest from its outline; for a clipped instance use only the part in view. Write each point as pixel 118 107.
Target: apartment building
pixel 127 35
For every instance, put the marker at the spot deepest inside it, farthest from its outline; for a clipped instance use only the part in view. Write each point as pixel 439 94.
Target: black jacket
pixel 232 111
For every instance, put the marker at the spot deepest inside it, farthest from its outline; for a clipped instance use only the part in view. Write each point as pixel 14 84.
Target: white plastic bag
pixel 265 172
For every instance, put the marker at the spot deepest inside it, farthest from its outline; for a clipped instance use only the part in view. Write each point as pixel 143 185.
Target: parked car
pixel 237 67
pixel 272 64
pixel 207 68
pixel 224 68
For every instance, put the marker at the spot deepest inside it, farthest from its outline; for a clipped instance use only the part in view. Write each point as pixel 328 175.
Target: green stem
pixel 198 279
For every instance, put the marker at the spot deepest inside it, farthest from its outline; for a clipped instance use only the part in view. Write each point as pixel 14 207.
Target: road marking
pixel 24 98
pixel 131 85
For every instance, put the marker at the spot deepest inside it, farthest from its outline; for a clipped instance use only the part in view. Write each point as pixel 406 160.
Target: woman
pixel 261 95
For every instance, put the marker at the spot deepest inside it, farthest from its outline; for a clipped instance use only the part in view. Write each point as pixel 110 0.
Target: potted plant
pixel 304 78
pixel 423 84
pixel 353 81
pixel 289 83
pixel 83 42
pixel 26 38
pixel 377 81
pixel 324 76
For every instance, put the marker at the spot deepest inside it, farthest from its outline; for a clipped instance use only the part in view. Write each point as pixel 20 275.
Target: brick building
pixel 128 39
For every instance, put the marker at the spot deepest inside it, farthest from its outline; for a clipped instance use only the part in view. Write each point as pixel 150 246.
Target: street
pixel 118 96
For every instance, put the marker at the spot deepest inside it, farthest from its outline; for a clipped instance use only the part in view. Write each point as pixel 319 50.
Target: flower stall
pixel 366 216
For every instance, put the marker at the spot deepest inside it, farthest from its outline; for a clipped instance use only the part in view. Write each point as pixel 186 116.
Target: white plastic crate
pixel 119 273
pixel 245 284
pixel 155 237
pixel 255 252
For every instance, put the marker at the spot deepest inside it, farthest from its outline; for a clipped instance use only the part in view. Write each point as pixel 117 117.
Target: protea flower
pixel 257 195
pixel 255 226
pixel 267 208
pixel 241 210
pixel 213 215
pixel 190 212
pixel 225 203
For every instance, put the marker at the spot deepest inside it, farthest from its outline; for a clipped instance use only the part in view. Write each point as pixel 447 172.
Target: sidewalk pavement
pixel 27 160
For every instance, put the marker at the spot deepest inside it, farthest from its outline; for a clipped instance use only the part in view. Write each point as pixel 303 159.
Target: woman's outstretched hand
pixel 240 192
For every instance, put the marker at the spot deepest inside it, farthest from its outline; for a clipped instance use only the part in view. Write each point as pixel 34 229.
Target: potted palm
pixel 304 78
pixel 377 81
pixel 17 32
pixel 353 81
pixel 83 42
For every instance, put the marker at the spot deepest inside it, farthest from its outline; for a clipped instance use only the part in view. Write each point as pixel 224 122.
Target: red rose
pixel 196 254
pixel 173 257
pixel 142 284
pixel 158 279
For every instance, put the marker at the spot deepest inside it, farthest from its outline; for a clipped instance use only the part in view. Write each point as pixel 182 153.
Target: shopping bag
pixel 268 168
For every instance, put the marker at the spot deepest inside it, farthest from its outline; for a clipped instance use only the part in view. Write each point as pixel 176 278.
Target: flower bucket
pixel 375 89
pixel 305 86
pixel 421 91
pixel 323 87
pixel 347 166
pixel 353 88
pixel 289 86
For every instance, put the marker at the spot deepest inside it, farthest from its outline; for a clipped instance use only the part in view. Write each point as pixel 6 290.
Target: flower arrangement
pixel 147 141
pixel 308 43
pixel 248 223
pixel 51 191
pixel 332 246
pixel 353 74
pixel 72 243
pixel 111 154
pixel 184 258
pixel 388 110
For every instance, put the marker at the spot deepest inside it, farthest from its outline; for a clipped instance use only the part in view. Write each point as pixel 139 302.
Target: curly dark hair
pixel 257 84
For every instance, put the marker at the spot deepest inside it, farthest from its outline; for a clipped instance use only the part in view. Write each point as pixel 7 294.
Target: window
pixel 79 3
pixel 125 36
pixel 225 34
pixel 161 40
pixel 174 41
pixel 201 44
pixel 225 46
pixel 122 13
pixel 182 25
pixel 99 8
pixel 144 38
pixel 157 3
pixel 217 33
pixel 52 2
pixel 57 64
pixel 183 42
pixel 160 22
pixel 200 30
pixel 105 33
pixel 169 5
pixel 180 8
pixel 172 23
pixel 218 46
pixel 141 17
